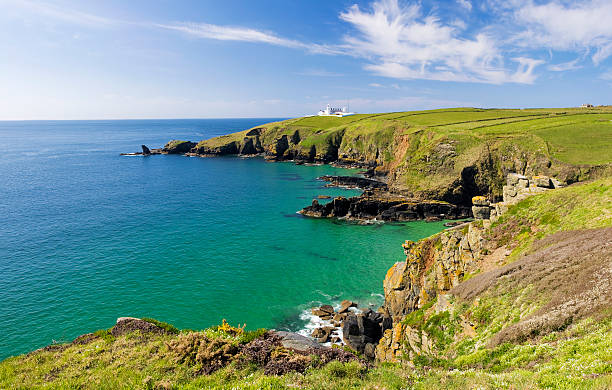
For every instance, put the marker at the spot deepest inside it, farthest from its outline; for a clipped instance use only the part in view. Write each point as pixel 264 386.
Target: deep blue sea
pixel 88 235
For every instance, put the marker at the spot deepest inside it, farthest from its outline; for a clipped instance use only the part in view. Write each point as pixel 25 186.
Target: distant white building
pixel 586 105
pixel 339 112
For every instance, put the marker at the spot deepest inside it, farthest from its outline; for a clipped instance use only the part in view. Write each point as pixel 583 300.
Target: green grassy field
pixel 425 152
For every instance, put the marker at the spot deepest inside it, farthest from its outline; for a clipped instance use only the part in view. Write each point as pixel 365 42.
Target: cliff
pixel 495 289
pixel 450 155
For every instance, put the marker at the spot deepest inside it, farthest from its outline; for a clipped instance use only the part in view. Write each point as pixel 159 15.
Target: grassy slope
pixel 427 150
pixel 579 356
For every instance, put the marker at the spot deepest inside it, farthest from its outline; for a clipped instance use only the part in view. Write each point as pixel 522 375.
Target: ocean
pixel 88 235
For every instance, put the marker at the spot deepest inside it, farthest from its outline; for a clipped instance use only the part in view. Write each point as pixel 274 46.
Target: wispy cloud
pixel 465 4
pixel 606 75
pixel 568 25
pixel 404 43
pixel 565 66
pixel 244 34
pixel 403 40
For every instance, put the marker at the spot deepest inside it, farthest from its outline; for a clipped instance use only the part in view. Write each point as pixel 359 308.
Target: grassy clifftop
pixel 448 154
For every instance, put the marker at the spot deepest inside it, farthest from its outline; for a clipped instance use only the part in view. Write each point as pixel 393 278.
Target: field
pixel 426 153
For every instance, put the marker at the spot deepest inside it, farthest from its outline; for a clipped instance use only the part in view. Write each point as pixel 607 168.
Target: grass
pixel 575 359
pixel 584 206
pixel 425 152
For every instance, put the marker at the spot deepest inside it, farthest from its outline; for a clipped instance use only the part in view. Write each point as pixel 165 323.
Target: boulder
pixel 480 201
pixel 345 305
pixel 523 183
pixel 359 330
pixel 509 193
pixel 514 178
pixel 296 341
pixel 370 350
pixel 481 212
pixel 327 308
pixel 556 183
pixel 339 317
pixel 542 181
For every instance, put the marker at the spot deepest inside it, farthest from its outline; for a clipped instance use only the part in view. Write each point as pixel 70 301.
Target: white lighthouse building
pixel 339 112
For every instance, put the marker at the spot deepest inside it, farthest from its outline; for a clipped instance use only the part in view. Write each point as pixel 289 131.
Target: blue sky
pixel 197 59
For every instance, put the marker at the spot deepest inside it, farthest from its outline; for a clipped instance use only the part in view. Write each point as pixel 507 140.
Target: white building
pixel 339 112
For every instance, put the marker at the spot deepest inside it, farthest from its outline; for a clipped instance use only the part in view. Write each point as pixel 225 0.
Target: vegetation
pixel 480 336
pixel 428 152
pixel 585 206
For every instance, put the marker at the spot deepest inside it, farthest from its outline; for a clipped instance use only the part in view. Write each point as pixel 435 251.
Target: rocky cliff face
pixel 433 267
pixel 436 265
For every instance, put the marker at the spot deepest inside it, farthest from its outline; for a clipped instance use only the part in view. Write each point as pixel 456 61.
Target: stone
pixel 145 151
pixel 509 191
pixel 359 330
pixel 481 212
pixel 523 183
pixel 556 183
pixel 480 201
pixel 345 305
pixel 291 340
pixel 513 179
pixel 542 181
pixel 327 308
pixel 370 350
pixel 317 332
pixel 318 312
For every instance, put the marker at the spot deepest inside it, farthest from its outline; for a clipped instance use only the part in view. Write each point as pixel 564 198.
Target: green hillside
pixel 448 154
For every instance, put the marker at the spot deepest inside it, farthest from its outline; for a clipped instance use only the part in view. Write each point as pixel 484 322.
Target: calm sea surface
pixel 88 236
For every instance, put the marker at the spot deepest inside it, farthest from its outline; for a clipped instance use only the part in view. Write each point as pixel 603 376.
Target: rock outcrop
pixel 517 188
pixel 178 147
pixel 354 182
pixel 436 265
pixel 384 206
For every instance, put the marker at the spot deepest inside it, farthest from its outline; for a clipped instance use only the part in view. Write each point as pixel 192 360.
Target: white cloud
pixel 243 34
pixel 401 42
pixel 465 4
pixel 375 85
pixel 565 66
pixel 566 25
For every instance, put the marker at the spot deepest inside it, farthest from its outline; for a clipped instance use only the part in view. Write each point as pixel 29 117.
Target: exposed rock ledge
pixel 384 206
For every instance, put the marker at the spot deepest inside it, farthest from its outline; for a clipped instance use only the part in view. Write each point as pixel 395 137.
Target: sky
pixel 115 59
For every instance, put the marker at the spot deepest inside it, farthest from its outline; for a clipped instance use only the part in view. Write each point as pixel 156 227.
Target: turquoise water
pixel 88 236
